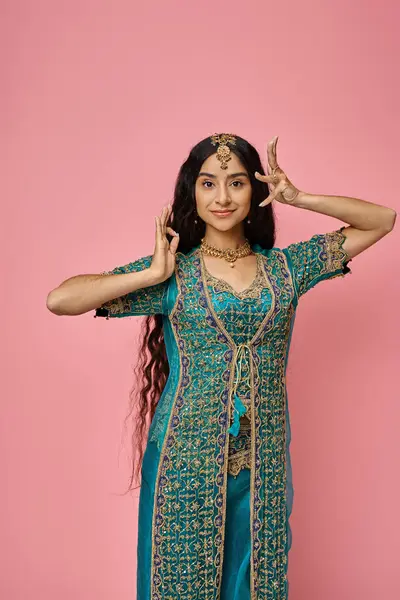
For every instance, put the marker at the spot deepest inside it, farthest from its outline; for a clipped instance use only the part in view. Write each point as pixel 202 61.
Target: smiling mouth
pixel 222 212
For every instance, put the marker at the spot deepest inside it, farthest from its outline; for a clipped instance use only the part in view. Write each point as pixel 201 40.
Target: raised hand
pixel 281 189
pixel 163 262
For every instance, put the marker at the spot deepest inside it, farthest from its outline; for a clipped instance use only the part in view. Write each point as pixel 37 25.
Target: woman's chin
pixel 225 224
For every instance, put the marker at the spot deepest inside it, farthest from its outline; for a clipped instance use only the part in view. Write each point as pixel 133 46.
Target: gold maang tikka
pixel 223 151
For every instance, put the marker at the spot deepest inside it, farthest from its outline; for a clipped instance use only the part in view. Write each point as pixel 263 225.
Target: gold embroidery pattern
pixel 318 258
pixel 239 456
pixel 190 500
pixel 238 461
pixel 254 360
pixel 190 496
pixel 145 301
pixel 269 520
pixel 336 256
pixel 241 319
pixel 254 290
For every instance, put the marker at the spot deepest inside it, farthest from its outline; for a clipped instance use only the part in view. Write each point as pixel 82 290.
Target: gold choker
pixel 229 254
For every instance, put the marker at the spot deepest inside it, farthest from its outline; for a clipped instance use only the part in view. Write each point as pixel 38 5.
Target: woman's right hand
pixel 163 263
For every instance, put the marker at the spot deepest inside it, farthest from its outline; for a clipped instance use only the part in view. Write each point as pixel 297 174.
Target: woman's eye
pixel 209 184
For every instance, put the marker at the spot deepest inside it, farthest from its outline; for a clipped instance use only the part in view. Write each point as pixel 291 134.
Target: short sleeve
pixel 142 302
pixel 319 258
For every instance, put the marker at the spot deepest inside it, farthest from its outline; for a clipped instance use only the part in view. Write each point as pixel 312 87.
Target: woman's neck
pixel 234 238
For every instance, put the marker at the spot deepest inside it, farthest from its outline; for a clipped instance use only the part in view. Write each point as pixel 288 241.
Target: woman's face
pixel 223 197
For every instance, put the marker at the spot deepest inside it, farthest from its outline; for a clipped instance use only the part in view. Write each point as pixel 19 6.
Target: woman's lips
pixel 222 213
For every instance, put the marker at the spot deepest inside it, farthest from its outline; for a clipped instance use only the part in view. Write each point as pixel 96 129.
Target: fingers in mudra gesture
pixel 281 188
pixel 163 262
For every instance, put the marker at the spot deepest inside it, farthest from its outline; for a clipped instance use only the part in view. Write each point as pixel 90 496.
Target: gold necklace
pixel 230 255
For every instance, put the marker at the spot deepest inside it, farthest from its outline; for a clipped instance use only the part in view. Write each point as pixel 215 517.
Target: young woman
pixel 220 300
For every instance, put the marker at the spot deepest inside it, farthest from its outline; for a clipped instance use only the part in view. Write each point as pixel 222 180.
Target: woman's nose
pixel 223 197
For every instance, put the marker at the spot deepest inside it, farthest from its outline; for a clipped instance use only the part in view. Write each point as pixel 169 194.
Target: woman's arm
pixel 368 222
pixel 83 293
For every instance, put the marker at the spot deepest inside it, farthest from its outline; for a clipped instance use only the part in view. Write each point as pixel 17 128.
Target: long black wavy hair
pixel 152 368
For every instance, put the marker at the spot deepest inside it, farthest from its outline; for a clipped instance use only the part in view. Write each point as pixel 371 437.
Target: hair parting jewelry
pixel 223 150
pixel 230 255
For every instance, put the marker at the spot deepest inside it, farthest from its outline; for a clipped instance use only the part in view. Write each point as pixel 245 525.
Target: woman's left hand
pixel 281 189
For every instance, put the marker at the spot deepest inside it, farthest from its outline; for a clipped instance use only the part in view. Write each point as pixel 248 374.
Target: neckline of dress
pixel 211 308
pixel 225 286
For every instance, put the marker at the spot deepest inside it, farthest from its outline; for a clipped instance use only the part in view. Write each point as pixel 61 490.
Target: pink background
pixel 100 102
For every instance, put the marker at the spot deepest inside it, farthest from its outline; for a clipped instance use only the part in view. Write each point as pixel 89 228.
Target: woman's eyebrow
pixel 240 174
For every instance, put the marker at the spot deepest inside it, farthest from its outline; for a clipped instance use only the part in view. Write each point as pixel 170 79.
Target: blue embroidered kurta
pixel 216 493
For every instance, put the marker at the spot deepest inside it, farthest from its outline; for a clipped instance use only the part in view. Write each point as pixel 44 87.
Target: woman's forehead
pixel 213 165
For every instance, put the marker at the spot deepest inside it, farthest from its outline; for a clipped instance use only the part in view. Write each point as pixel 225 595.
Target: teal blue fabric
pixel 146 502
pixel 237 545
pixel 309 262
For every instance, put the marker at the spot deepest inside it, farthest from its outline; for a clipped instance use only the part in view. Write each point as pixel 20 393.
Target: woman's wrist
pixel 154 276
pixel 304 200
